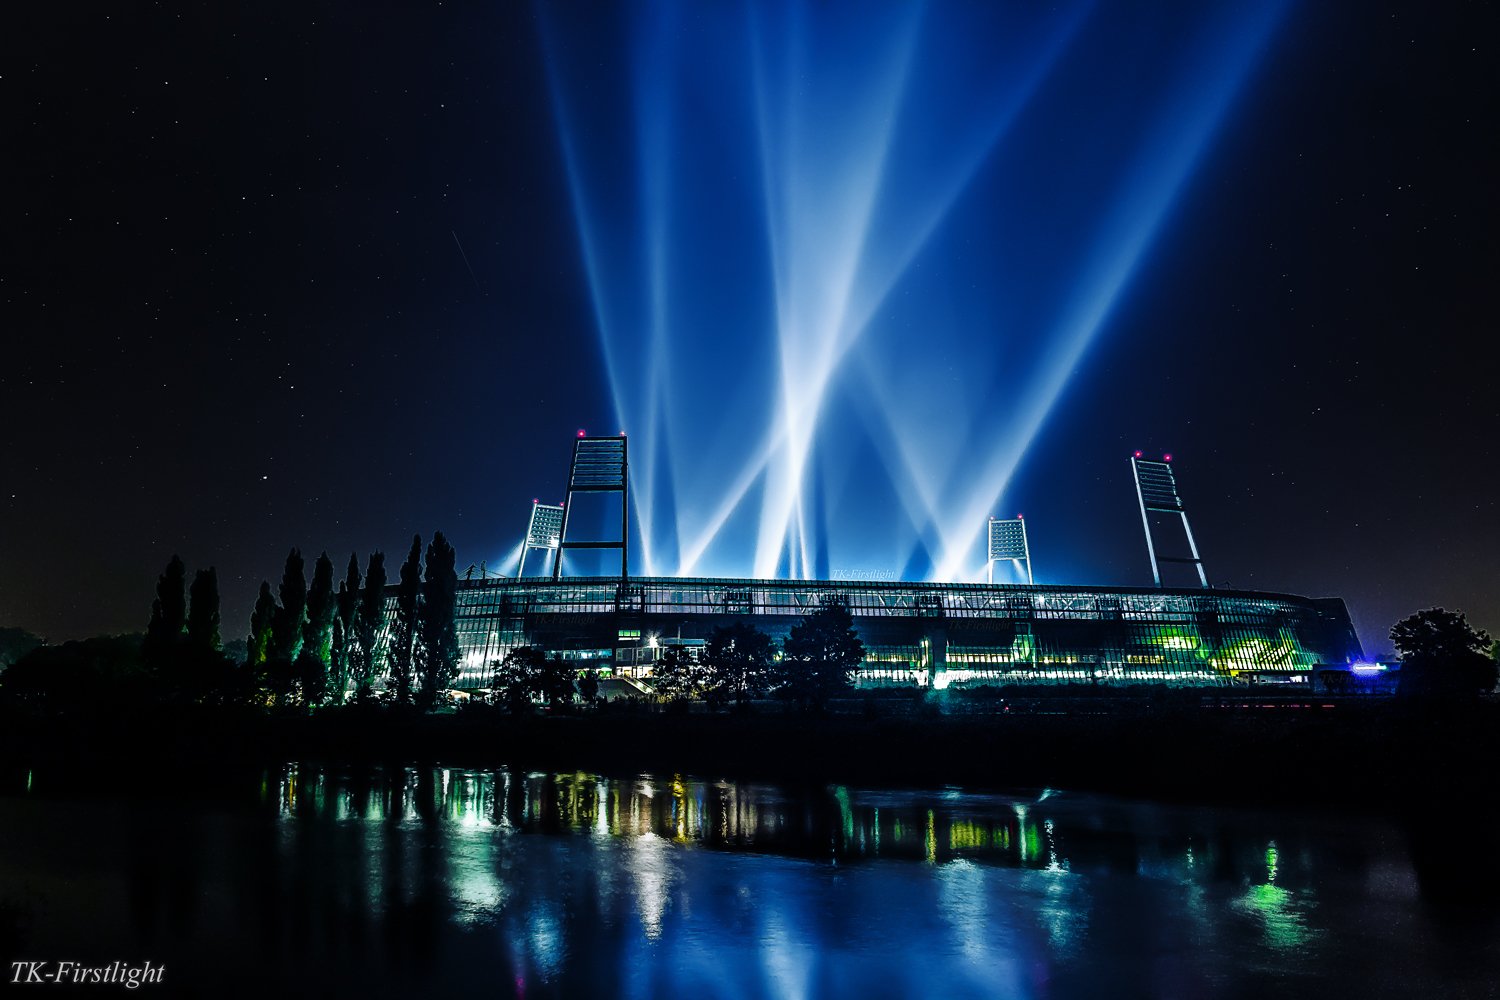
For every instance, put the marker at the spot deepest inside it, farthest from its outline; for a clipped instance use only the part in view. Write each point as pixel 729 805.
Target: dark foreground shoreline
pixel 1365 754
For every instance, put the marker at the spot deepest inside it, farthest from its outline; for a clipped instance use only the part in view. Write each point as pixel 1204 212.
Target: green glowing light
pixel 1281 911
pixel 846 813
pixel 1177 639
pixel 968 834
pixel 1258 654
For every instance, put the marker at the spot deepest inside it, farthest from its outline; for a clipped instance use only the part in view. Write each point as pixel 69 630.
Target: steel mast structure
pixel 1008 541
pixel 599 466
pixel 544 531
pixel 1156 489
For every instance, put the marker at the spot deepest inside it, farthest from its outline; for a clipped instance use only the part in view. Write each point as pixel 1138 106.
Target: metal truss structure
pixel 600 465
pixel 1156 489
pixel 1007 540
pixel 544 531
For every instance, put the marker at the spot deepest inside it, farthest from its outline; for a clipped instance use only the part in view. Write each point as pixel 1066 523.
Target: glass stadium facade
pixel 922 634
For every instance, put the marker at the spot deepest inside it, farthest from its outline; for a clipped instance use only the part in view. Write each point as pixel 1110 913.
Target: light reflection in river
pixel 579 884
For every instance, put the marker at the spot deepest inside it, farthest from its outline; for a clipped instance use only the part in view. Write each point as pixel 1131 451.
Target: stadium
pixel 935 636
pixel 928 635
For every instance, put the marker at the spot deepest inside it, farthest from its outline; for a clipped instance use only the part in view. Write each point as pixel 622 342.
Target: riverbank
pixel 1356 752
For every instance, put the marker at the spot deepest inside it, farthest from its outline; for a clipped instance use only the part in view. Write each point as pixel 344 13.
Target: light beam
pixel 813 233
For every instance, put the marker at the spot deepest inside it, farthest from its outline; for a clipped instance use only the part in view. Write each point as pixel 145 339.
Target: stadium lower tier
pixel 928 635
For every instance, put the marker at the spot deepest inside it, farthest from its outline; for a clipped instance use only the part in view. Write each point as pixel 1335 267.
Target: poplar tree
pixel 338 663
pixel 286 626
pixel 369 621
pixel 403 647
pixel 168 611
pixel 439 636
pixel 258 643
pixel 203 615
pixel 317 632
pixel 341 656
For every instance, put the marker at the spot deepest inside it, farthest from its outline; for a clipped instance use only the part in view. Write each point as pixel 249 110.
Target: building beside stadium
pixel 930 635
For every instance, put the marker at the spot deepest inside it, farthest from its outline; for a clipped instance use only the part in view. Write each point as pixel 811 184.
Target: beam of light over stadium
pixel 843 259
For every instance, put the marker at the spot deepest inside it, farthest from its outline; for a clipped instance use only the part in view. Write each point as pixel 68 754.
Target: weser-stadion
pixel 932 635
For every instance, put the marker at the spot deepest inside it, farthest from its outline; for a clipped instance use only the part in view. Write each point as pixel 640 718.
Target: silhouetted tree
pixel 203 614
pixel 348 595
pixel 340 662
pixel 820 656
pixel 317 631
pixel 403 648
pixel 678 676
pixel 100 676
pixel 286 627
pixel 1442 656
pixel 258 644
pixel 739 662
pixel 369 621
pixel 588 687
pixel 519 677
pixel 168 612
pixel 311 677
pixel 439 634
pixel 16 643
pixel 557 682
pixel 192 666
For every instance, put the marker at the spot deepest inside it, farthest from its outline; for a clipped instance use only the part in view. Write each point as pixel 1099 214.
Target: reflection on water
pixel 1283 912
pixel 574 884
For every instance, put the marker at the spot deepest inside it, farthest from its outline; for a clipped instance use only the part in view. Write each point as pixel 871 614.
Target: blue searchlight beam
pixel 843 257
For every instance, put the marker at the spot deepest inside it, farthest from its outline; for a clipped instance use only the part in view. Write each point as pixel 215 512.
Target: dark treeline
pixel 309 645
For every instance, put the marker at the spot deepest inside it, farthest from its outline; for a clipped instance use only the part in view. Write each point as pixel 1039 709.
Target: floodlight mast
pixel 1007 540
pixel 599 466
pixel 543 532
pixel 1156 489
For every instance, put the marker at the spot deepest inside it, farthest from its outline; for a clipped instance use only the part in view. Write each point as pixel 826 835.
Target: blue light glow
pixel 843 259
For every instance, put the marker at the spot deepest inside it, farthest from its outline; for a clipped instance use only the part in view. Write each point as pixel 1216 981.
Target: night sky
pixel 310 274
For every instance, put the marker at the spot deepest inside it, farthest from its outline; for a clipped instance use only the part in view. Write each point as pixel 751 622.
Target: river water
pixel 439 881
